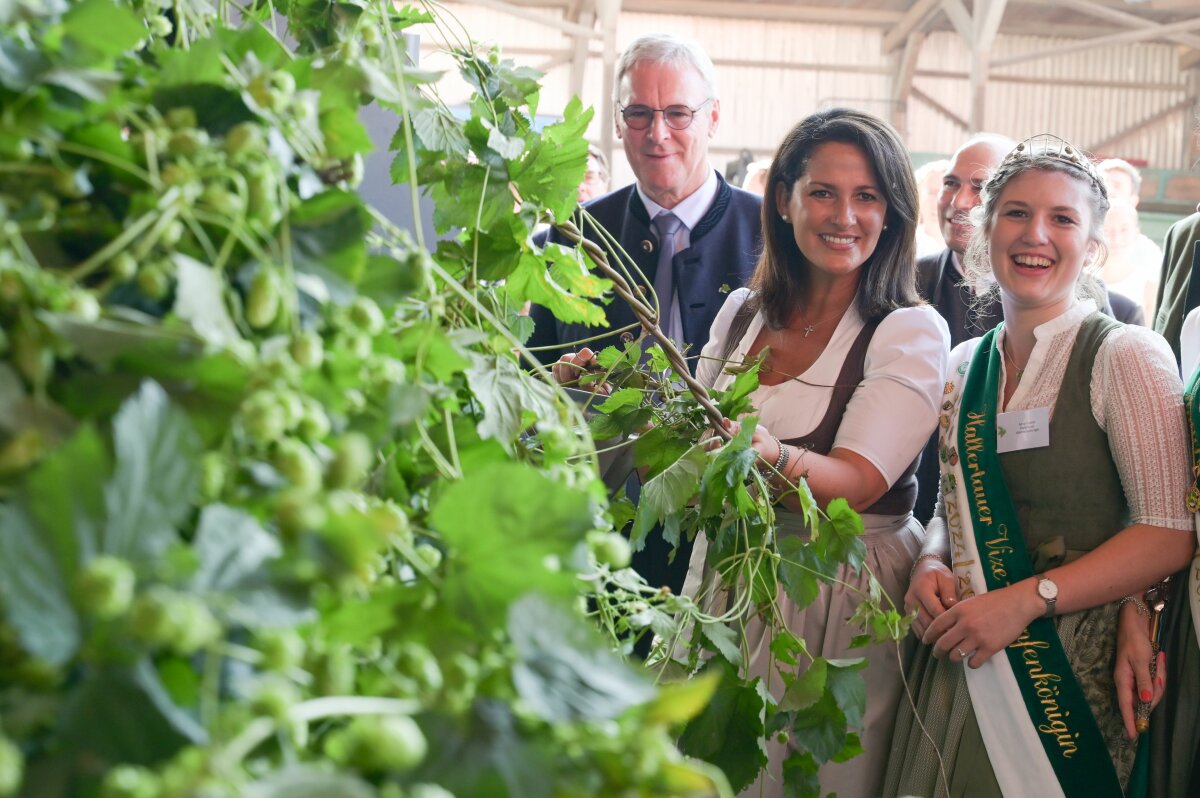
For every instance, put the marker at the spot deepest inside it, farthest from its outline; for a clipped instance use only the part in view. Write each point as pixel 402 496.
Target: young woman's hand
pixel 977 627
pixel 1131 671
pixel 931 592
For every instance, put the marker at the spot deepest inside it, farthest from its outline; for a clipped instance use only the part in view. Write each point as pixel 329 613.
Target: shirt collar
pixel 1071 317
pixel 692 208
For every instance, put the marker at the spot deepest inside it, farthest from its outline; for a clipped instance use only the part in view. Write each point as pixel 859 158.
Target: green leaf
pixel 820 729
pixel 509 395
pixel 668 492
pixel 65 499
pixel 657 448
pixel 531 281
pixel 180 680
pixel 200 301
pixel 724 639
pixel 787 648
pixel 141 723
pixel 105 137
pixel 840 538
pixel 20 66
pixel 358 621
pixel 678 702
pixel 800 780
pixel 104 26
pixel 501 524
pixel 621 399
pixel 564 670
pixel 232 548
pixel 554 163
pixel 105 339
pixel 345 136
pixel 508 147
pixel 329 233
pixel 807 689
pixel 440 132
pixel 202 62
pixel 728 469
pixel 801 570
pixel 301 781
pixel 848 688
pixel 735 402
pixel 428 346
pixel 473 196
pixel 217 108
pixel 32 592
pixel 728 732
pixel 156 477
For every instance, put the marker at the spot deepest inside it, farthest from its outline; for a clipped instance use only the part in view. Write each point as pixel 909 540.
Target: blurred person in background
pixel 1133 261
pixel 595 179
pixel 929 187
pixel 756 177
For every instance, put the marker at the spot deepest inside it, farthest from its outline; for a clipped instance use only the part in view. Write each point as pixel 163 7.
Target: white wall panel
pixel 808 66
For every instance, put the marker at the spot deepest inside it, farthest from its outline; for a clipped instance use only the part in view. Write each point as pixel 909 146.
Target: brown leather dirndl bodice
pixel 900 498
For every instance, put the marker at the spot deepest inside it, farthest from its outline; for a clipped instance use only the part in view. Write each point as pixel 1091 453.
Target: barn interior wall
pixel 772 73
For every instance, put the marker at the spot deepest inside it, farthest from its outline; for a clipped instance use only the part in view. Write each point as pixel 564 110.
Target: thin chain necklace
pixel 809 328
pixel 1013 360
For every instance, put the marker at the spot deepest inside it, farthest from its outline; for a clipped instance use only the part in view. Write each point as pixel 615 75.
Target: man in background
pixel 692 235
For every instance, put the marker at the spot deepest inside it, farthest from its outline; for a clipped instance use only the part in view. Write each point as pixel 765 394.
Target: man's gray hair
pixel 664 48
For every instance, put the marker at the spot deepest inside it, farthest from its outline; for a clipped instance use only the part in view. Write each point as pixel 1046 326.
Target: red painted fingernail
pixel 1147 695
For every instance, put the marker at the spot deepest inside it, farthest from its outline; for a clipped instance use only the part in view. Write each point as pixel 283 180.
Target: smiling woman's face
pixel 1040 240
pixel 836 208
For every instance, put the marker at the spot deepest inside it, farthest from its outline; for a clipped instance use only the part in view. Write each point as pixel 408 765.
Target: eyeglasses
pixel 677 117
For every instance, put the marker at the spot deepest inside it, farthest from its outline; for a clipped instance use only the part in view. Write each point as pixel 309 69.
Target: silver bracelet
pixel 927 556
pixel 782 462
pixel 1135 601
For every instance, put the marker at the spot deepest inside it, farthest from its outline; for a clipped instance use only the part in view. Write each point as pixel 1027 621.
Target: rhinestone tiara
pixel 1052 146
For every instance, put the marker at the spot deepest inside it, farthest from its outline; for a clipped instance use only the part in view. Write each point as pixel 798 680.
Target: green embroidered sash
pixel 1053 698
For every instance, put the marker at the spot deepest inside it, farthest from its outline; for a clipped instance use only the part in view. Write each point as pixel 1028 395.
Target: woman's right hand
pixel 931 592
pixel 571 367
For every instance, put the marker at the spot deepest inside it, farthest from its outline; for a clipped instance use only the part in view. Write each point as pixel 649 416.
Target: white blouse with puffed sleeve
pixel 894 410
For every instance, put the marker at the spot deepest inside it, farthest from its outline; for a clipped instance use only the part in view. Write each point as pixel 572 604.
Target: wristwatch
pixel 1048 590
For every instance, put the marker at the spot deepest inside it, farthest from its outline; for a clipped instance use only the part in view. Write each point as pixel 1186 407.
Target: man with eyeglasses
pixel 693 237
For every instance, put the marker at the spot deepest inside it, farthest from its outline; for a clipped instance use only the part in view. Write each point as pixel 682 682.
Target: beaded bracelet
pixel 782 461
pixel 927 556
pixel 1135 601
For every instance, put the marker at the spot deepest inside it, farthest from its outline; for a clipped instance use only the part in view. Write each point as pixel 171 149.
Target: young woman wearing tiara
pixel 1065 466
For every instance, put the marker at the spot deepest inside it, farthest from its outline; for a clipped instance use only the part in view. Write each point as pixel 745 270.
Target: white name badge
pixel 1023 429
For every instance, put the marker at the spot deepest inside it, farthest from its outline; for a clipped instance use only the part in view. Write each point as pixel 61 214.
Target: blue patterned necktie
pixel 667 224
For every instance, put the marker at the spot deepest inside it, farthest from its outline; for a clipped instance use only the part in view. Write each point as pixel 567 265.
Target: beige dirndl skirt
pixel 892 542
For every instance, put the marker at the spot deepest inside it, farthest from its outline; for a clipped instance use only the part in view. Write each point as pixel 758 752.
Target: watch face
pixel 1047 590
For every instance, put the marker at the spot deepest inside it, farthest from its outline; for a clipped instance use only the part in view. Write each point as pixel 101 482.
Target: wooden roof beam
pixel 777 12
pixel 1124 18
pixel 1128 37
pixel 520 12
pixel 941 109
pixel 1149 121
pixel 960 18
pixel 917 16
